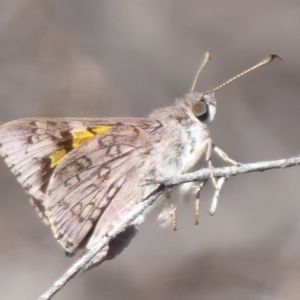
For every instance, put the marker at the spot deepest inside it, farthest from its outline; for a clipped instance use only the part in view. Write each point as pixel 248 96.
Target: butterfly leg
pixel 217 195
pixel 197 202
pixel 173 215
pixel 224 156
pixel 209 148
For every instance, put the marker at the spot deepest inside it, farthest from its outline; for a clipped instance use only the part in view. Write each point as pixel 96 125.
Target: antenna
pixel 205 60
pixel 267 60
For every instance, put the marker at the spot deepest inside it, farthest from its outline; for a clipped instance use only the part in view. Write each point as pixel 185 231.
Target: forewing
pixel 89 179
pixel 32 148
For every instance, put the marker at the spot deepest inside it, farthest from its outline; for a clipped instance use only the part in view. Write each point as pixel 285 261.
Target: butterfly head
pixel 201 106
pixel 204 108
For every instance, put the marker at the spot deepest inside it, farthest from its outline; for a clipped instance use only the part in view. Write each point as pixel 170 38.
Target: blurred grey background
pixel 125 58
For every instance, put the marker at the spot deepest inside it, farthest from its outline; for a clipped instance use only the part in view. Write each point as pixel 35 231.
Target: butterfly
pixel 83 175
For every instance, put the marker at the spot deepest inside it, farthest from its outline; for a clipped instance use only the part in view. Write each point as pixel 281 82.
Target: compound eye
pixel 200 110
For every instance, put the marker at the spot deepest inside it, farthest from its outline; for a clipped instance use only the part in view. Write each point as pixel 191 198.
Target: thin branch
pixel 149 200
pixel 226 171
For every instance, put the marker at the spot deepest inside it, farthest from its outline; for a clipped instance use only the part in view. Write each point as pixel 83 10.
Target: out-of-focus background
pixel 125 58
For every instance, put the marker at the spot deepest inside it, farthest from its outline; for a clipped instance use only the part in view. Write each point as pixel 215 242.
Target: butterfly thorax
pixel 177 145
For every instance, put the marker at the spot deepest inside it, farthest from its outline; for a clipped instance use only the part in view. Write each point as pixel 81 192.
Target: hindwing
pixel 89 179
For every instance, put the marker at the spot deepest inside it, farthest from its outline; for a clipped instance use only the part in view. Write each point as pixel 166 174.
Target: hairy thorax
pixel 177 152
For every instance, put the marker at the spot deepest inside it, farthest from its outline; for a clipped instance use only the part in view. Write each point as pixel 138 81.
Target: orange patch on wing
pixel 57 156
pixel 79 136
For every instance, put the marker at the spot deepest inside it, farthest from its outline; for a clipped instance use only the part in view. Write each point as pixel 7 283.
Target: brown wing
pixel 90 179
pixel 32 148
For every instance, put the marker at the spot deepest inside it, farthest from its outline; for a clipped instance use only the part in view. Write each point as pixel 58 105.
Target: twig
pixel 149 200
pixel 226 171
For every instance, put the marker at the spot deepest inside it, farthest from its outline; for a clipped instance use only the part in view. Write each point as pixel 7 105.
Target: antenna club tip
pixel 275 55
pixel 207 54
